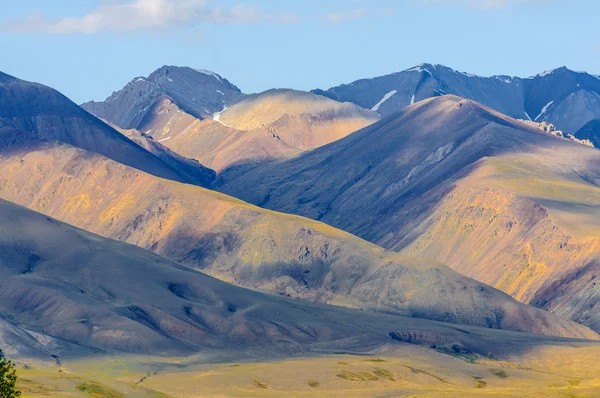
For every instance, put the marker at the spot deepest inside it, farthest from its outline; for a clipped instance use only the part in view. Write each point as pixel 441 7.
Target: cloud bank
pixel 146 15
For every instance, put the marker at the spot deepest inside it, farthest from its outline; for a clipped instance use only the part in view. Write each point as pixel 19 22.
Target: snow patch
pixel 209 73
pixel 164 139
pixel 169 79
pixel 544 109
pixel 412 100
pixel 418 68
pixel 385 98
pixel 505 79
pixel 467 74
pixel 146 133
pixel 217 115
pixel 528 117
pixel 140 79
pixel 544 73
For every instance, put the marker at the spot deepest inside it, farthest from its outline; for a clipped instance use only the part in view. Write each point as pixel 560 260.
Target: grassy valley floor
pixel 405 371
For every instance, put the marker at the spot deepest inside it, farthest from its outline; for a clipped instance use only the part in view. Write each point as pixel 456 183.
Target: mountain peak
pixel 560 69
pixel 198 92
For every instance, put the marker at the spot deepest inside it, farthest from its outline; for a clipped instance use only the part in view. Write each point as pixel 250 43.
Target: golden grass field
pixel 408 371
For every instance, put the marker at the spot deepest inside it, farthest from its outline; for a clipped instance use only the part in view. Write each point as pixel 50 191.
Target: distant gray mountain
pixel 198 92
pixel 563 97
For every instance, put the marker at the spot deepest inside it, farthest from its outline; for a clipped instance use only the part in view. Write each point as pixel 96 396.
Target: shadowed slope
pixel 30 112
pixel 274 252
pixel 451 180
pixel 591 132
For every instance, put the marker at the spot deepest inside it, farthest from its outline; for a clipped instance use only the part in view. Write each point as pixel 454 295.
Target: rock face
pixel 256 248
pixel 561 96
pixel 31 113
pixel 551 129
pixel 198 92
pixel 251 128
pixel 448 179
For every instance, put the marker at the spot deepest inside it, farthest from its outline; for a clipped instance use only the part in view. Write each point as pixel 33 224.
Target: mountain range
pixel 240 243
pixel 182 217
pixel 231 128
pixel 452 180
pixel 563 97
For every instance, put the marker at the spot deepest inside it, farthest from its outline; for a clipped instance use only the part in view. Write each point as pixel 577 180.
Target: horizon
pixel 91 49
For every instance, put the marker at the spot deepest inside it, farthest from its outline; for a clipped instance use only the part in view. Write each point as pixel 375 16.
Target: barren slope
pixel 277 253
pixel 450 180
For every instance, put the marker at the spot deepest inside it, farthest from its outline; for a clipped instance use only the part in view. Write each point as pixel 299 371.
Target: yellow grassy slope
pixel 528 224
pixel 545 371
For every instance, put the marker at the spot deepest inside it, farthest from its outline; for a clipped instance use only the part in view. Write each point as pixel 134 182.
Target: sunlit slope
pixel 451 180
pixel 185 166
pixel 209 141
pixel 302 120
pixel 270 125
pixel 519 223
pixel 252 247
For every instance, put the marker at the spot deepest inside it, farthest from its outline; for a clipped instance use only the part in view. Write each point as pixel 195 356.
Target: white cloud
pixel 136 15
pixel 484 3
pixel 343 16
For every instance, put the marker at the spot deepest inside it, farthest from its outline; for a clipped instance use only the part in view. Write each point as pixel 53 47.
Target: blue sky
pixel 89 48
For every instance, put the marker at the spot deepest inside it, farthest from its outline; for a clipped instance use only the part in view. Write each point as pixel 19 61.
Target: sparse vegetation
pixel 313 383
pixel 375 360
pixel 342 363
pixel 97 390
pixel 260 384
pixel 458 352
pixel 499 372
pixel 357 376
pixel 574 382
pixel 417 371
pixel 384 374
pixel 481 383
pixel 8 378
